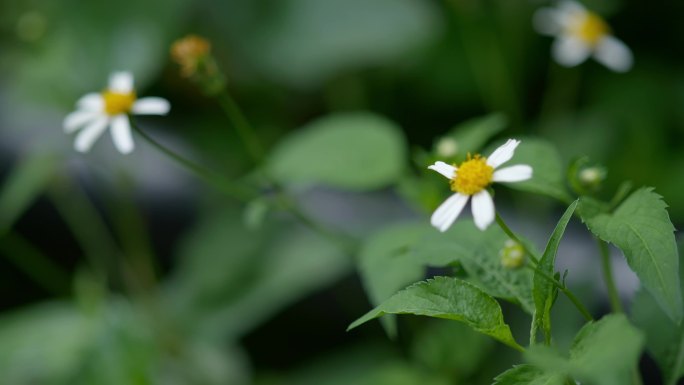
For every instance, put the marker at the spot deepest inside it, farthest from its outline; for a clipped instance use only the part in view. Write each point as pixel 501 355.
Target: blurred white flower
pixel 110 108
pixel 472 177
pixel 579 34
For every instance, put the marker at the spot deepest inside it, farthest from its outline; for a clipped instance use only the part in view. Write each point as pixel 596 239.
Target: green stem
pixel 34 263
pixel 607 268
pixel 242 126
pixel 515 238
pixel 87 226
pixel 582 309
pixel 222 184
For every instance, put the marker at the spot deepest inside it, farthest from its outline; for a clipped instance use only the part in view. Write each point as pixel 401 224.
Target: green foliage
pixel 354 151
pixel 549 172
pixel 641 228
pixel 479 254
pixel 448 298
pixel 316 39
pixel 544 291
pixel 471 135
pixel 27 180
pixel 452 348
pixel 386 266
pixel 232 278
pixel 604 352
pixel 528 375
pixel 664 338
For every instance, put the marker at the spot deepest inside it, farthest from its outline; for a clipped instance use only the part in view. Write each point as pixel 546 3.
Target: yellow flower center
pixel 118 103
pixel 472 176
pixel 589 27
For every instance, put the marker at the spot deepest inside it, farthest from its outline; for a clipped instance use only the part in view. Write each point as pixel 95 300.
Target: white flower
pixel 579 34
pixel 472 177
pixel 110 108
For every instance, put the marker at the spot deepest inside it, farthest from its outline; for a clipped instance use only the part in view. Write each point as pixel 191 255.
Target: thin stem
pixel 34 263
pixel 242 126
pixel 582 309
pixel 607 268
pixel 222 184
pixel 515 238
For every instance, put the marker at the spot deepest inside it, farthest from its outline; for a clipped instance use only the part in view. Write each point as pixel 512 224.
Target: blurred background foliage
pixel 242 295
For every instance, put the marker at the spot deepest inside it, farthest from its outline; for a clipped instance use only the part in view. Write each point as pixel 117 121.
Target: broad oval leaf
pixel 543 290
pixel 604 352
pixel 479 254
pixel 448 298
pixel 354 151
pixel 641 228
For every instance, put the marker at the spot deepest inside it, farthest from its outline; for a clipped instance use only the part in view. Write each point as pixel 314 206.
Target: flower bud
pixel 189 52
pixel 512 255
pixel 447 147
pixel 592 177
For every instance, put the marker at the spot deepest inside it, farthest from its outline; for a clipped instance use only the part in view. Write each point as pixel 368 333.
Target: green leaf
pixel 25 182
pixel 641 228
pixel 448 298
pixel 544 292
pixel 604 352
pixel 529 375
pixel 548 177
pixel 386 266
pixel 354 151
pixel 664 339
pixel 479 254
pixel 439 346
pixel 470 136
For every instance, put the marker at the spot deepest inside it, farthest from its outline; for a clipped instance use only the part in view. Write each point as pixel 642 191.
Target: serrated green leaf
pixel 549 172
pixel 448 298
pixel 543 290
pixel 354 151
pixel 641 228
pixel 604 352
pixel 479 254
pixel 529 375
pixel 470 136
pixel 23 185
pixel 664 339
pixel 386 266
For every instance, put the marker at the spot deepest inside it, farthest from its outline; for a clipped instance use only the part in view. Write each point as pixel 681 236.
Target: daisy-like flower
pixel 471 178
pixel 110 108
pixel 579 34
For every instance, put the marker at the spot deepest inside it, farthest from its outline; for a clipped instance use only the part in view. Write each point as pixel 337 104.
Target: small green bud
pixel 512 255
pixel 447 147
pixel 592 177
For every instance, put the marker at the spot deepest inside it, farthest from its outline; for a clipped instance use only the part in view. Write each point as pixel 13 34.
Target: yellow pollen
pixel 589 28
pixel 472 176
pixel 118 103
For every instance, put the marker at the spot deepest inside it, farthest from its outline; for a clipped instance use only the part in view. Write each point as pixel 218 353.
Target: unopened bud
pixel 592 177
pixel 189 52
pixel 512 255
pixel 447 147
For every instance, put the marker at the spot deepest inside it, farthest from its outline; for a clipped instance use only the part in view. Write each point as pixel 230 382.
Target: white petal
pixel 614 54
pixel 121 134
pixel 121 82
pixel 569 51
pixel 151 106
pixel 447 212
pixel 87 137
pixel 91 102
pixel 78 119
pixel 445 169
pixel 483 209
pixel 517 173
pixel 503 154
pixel 547 21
